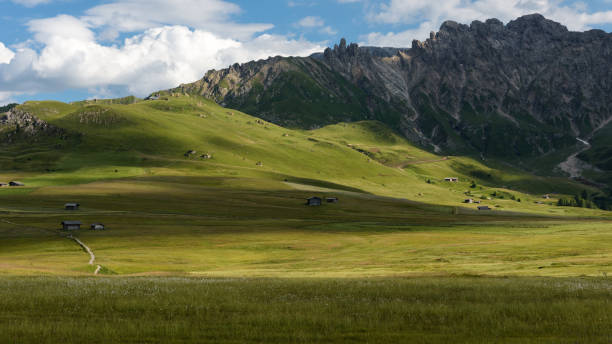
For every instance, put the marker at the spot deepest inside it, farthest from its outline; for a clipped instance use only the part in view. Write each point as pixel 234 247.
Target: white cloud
pixel 60 27
pixel 399 39
pixel 31 3
pixel 157 59
pixel 138 15
pixel 6 55
pixel 328 30
pixel 427 15
pixel 310 22
pixel 5 98
pixel 67 52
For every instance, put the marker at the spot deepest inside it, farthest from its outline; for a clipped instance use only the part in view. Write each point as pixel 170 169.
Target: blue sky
pixel 70 50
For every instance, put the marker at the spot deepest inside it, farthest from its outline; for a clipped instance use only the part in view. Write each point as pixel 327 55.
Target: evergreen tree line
pixel 586 200
pixel 7 108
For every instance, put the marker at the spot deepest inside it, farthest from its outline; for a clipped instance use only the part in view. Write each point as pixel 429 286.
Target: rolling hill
pixel 50 143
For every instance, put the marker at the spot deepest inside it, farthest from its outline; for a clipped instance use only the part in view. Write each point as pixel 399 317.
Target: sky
pixel 72 50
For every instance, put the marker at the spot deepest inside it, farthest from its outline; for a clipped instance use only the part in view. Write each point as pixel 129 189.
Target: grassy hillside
pixel 150 138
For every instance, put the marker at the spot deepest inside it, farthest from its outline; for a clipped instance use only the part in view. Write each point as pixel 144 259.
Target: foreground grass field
pixel 399 310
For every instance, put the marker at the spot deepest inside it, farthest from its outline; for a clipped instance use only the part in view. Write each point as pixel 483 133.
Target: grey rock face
pixel 523 89
pixel 20 124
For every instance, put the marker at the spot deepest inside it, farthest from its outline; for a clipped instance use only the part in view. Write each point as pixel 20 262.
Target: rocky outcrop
pixel 17 124
pixel 524 89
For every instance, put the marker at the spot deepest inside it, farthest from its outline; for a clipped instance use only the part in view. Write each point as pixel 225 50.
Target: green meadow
pixel 244 310
pixel 209 239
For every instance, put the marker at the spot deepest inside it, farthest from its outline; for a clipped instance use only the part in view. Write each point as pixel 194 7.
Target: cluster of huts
pixel 317 201
pixel 76 225
pixel 70 225
pixel 13 183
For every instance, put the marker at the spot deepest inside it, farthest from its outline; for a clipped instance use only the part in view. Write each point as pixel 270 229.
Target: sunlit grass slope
pixel 150 138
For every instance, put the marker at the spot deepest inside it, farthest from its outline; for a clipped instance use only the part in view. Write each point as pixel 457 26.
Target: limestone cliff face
pixel 518 90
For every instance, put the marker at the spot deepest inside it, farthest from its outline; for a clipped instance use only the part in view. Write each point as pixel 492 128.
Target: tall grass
pixel 424 310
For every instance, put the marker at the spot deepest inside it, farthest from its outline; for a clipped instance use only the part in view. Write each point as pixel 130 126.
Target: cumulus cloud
pixel 156 59
pixel 6 55
pixel 68 52
pixel 427 15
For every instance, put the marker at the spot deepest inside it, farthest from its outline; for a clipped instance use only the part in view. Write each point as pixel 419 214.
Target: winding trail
pixel 92 256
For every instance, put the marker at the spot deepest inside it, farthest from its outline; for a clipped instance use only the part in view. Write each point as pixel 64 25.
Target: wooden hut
pixel 97 227
pixel 71 206
pixel 314 201
pixel 71 225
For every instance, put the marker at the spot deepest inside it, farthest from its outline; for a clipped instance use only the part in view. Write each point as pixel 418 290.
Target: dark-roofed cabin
pixel 469 200
pixel 97 227
pixel 314 201
pixel 484 207
pixel 71 225
pixel 16 184
pixel 332 199
pixel 72 206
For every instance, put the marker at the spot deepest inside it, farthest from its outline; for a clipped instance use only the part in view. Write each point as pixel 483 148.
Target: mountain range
pixel 528 91
pixel 528 94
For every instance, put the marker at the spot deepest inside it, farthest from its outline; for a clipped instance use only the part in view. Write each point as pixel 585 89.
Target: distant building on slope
pixel 451 179
pixel 72 206
pixel 484 207
pixel 331 199
pixel 71 225
pixel 97 227
pixel 314 201
pixel 14 183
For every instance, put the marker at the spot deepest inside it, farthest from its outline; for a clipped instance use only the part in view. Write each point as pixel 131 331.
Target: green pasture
pixel 375 310
pixel 246 227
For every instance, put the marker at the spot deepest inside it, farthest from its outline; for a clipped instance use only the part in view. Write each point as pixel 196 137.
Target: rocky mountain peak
pixel 536 22
pixel 523 89
pixel 342 51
